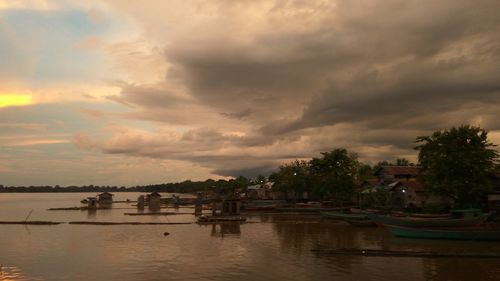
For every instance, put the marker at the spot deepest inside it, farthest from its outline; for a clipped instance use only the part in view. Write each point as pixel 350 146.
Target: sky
pixel 134 92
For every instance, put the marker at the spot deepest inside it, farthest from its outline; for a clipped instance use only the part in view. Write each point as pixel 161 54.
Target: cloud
pixel 224 88
pixel 291 78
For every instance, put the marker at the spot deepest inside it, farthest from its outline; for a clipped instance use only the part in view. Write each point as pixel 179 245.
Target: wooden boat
pixel 261 208
pixel 344 216
pixel 363 211
pixel 430 216
pixel 446 233
pixel 429 222
pixel 309 209
pixel 219 219
pixel 362 223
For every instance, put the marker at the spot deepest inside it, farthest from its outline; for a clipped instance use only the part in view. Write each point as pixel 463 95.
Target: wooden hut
pixel 154 201
pixel 105 200
pixel 231 207
pixel 141 202
pixel 91 202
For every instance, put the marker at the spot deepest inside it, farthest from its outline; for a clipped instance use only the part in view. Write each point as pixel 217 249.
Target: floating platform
pixel 126 223
pixel 31 222
pixel 68 209
pixel 157 214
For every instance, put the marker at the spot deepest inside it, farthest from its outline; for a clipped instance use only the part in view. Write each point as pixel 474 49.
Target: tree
pixel 456 164
pixel 292 177
pixel 333 175
pixel 403 162
pixel 364 172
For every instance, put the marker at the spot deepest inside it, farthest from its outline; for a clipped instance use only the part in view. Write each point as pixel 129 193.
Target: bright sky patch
pixel 14 100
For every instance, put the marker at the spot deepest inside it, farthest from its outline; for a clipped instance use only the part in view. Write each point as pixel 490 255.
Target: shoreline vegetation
pixel 459 166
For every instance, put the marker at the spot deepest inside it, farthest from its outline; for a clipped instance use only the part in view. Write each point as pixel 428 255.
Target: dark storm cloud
pixel 146 96
pixel 238 115
pixel 306 76
pixel 246 171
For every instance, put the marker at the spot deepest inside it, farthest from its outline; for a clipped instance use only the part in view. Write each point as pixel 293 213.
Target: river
pixel 269 248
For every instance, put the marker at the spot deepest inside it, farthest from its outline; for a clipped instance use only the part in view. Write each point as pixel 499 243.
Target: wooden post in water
pixel 198 206
pixel 140 202
pixel 27 217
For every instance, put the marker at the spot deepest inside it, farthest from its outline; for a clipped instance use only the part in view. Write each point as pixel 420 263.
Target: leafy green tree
pixel 259 179
pixel 364 172
pixel 457 164
pixel 333 175
pixel 403 162
pixel 292 177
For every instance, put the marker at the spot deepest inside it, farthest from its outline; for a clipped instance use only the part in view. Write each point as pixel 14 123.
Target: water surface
pixel 272 248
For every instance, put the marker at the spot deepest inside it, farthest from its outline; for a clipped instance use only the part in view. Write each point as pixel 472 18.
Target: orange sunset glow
pixel 14 100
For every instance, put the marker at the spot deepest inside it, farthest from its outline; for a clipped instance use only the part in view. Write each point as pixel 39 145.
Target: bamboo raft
pixel 31 222
pixel 68 209
pixel 127 223
pixel 157 214
pixel 408 254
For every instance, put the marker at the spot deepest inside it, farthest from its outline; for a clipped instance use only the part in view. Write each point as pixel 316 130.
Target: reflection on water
pixel 226 229
pixel 12 273
pixel 91 214
pixel 462 269
pixel 272 247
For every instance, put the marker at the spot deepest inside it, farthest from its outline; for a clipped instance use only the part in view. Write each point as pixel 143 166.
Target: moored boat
pixel 218 219
pixel 362 223
pixel 430 222
pixel 261 208
pixel 446 233
pixel 344 216
pixel 309 209
pixel 429 216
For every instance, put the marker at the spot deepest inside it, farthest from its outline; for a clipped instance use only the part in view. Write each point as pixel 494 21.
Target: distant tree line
pixel 188 186
pixel 457 165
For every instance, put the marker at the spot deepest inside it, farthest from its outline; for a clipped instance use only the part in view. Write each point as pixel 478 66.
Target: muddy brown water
pixel 271 248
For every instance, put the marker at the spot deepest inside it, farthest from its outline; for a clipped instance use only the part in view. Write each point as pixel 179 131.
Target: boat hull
pixel 344 216
pixel 309 210
pixel 362 223
pixel 434 222
pixel 447 234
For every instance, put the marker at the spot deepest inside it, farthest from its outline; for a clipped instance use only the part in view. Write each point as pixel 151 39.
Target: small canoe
pixel 362 211
pixel 447 233
pixel 430 216
pixel 309 210
pixel 362 223
pixel 218 219
pixel 343 216
pixel 429 222
pixel 260 208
